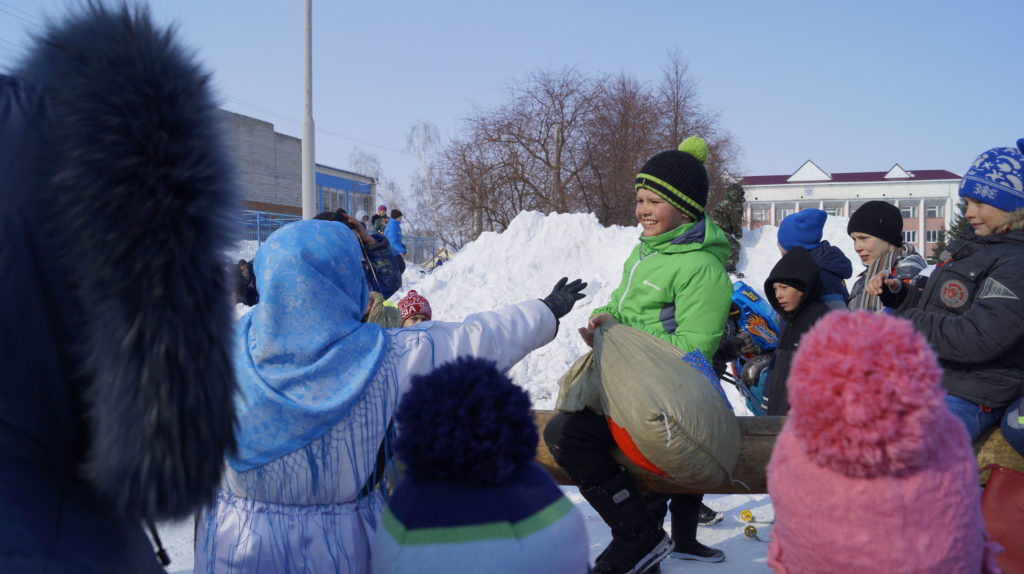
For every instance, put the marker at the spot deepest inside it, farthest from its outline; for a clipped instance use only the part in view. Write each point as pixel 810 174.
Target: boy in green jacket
pixel 674 287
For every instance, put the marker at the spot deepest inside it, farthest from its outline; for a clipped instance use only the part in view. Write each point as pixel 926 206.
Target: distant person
pixel 877 232
pixel 117 205
pixel 728 215
pixel 804 228
pixel 393 231
pixel 793 289
pixel 379 220
pixel 971 309
pixel 363 218
pixel 414 308
pixel 245 284
pixel 317 389
pixel 382 267
pixel 674 287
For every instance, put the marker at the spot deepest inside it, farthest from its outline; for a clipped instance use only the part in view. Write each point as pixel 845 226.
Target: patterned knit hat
pixel 802 228
pixel 997 178
pixel 414 304
pixel 871 472
pixel 879 218
pixel 679 176
pixel 473 499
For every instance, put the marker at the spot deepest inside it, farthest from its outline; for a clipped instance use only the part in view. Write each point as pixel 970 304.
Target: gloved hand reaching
pixel 564 296
pixel 743 344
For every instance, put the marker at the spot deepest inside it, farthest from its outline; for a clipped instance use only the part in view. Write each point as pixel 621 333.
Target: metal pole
pixel 308 161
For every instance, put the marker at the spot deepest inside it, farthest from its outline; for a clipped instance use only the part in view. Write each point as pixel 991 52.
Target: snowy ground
pixel 525 262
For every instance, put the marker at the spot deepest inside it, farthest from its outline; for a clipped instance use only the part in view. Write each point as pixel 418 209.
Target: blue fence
pixel 256 227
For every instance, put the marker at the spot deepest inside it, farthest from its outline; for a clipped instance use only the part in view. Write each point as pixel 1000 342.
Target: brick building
pixel 926 198
pixel 270 172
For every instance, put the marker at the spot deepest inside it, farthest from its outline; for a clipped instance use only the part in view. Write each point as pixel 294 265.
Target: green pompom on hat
pixel 679 176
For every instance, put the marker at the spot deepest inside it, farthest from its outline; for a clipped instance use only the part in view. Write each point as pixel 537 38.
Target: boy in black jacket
pixel 794 290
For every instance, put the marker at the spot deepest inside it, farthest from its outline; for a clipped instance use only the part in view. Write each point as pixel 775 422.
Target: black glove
pixel 744 344
pixel 564 296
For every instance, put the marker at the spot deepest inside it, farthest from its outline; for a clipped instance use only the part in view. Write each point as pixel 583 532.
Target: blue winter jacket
pixel 394 234
pixel 115 316
pixel 834 268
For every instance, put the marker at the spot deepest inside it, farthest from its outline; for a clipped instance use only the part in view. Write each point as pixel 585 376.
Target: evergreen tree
pixel 957 227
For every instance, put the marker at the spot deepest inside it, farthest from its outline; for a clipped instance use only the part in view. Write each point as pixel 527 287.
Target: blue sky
pixel 854 86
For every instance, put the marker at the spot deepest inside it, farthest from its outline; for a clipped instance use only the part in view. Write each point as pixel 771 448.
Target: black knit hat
pixel 395 214
pixel 678 176
pixel 879 218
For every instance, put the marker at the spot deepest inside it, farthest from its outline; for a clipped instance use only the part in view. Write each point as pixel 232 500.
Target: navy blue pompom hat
pixel 473 499
pixel 997 178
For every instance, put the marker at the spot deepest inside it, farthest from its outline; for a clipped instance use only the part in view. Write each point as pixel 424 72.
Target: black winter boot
pixel 684 534
pixel 638 541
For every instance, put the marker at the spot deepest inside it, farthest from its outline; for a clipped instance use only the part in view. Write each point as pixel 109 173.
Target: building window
pixel 932 235
pixel 760 214
pixel 834 211
pixel 332 198
pixel 933 211
pixel 783 212
pixel 360 201
pixel 910 236
pixel 909 211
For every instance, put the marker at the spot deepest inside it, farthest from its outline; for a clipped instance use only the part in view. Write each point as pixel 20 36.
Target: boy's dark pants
pixel 580 442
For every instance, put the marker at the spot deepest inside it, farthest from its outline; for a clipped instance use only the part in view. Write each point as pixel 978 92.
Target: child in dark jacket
pixel 794 290
pixel 804 228
pixel 971 309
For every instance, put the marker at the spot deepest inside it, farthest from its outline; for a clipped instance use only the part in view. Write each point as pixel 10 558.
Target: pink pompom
pixel 864 395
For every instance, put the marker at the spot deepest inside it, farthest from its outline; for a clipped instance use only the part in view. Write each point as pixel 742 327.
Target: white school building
pixel 927 198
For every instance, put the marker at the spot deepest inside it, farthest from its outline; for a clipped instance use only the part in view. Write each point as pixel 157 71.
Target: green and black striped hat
pixel 678 175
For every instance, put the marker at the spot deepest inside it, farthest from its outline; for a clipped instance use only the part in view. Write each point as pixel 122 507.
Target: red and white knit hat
pixel 414 304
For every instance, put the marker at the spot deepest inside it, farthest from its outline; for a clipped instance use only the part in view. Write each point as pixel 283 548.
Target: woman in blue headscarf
pixel 317 389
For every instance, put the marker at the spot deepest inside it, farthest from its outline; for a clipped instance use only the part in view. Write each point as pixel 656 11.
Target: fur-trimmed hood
pixel 128 210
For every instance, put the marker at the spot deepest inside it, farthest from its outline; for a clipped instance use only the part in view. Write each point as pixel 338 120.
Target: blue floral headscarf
pixel 302 356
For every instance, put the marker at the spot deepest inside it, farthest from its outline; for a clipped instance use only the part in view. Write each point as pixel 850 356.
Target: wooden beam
pixel 757 438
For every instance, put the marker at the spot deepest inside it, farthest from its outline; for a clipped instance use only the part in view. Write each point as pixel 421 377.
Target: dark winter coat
pixel 972 312
pixel 382 267
pixel 796 269
pixel 835 269
pixel 115 316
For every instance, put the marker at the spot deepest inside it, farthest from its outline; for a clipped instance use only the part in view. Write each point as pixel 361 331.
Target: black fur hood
pixel 136 204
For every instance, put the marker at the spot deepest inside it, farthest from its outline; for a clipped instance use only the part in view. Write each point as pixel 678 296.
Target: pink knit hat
pixel 414 304
pixel 871 472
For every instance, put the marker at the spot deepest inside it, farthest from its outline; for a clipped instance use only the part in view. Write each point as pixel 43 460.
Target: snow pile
pixel 525 262
pixel 536 250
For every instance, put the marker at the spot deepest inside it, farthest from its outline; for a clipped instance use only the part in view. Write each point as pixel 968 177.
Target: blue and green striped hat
pixel 472 498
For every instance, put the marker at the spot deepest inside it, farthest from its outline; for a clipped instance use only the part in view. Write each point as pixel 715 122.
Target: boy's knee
pixel 554 432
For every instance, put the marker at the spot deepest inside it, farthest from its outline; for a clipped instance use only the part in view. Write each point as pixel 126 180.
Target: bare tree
pixel 682 115
pixel 617 143
pixel 388 191
pixel 423 143
pixel 565 142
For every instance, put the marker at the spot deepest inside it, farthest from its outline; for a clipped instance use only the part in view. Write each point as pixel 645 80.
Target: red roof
pixel 855 177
